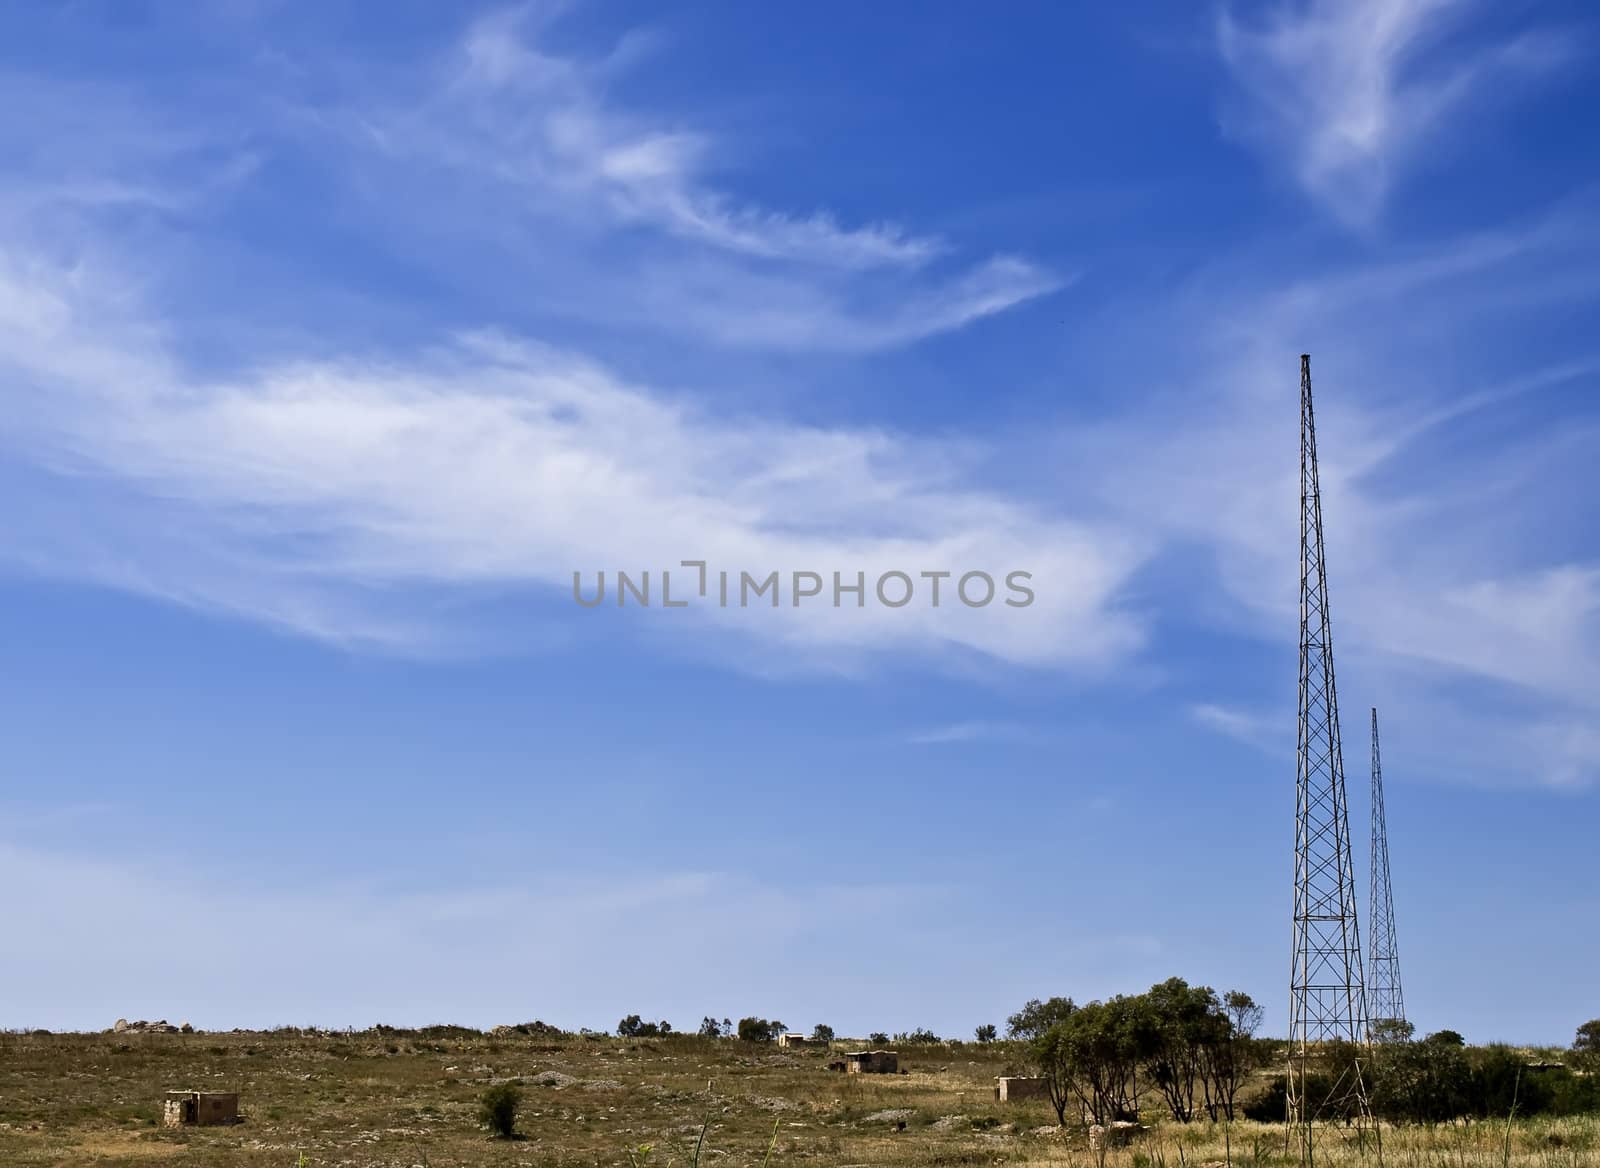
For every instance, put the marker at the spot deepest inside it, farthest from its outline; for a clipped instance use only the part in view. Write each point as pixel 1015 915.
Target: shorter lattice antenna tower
pixel 1385 1002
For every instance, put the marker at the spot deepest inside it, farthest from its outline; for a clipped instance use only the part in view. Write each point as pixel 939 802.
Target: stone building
pixel 1011 1088
pixel 205 1108
pixel 872 1062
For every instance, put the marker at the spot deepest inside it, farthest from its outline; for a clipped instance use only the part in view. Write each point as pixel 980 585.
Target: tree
pixel 633 1027
pixel 1179 1030
pixel 1232 1053
pixel 1586 1047
pixel 921 1036
pixel 1243 1013
pixel 711 1028
pixel 1102 1045
pixel 1446 1038
pixel 1385 1030
pixel 1036 1017
pixel 877 1038
pixel 1052 1052
pixel 759 1029
pixel 985 1033
pixel 822 1032
pixel 497 1110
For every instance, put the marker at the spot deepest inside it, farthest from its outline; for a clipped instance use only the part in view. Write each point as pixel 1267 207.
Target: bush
pixel 921 1036
pixel 986 1032
pixel 497 1110
pixel 1329 1096
pixel 877 1038
pixel 822 1032
pixel 1420 1082
pixel 1435 1081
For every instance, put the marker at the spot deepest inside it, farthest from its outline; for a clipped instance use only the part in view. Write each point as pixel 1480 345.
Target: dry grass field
pixel 403 1099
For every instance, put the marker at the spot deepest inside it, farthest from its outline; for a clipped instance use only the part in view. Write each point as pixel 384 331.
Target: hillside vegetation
pixel 401 1098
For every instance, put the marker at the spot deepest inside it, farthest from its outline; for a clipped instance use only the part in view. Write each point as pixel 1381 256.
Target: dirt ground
pixel 379 1099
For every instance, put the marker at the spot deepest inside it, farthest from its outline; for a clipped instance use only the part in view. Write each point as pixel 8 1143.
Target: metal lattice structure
pixel 1326 990
pixel 1384 999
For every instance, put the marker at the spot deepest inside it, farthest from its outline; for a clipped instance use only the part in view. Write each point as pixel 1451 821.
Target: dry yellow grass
pixel 396 1100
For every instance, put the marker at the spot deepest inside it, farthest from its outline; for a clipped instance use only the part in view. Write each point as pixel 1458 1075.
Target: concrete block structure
pixel 1011 1088
pixel 205 1108
pixel 794 1039
pixel 872 1062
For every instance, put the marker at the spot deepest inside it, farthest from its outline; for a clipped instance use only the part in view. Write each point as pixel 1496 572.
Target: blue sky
pixel 334 339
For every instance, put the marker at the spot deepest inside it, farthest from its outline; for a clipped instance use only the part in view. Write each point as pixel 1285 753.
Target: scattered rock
pixel 892 1115
pixel 1118 1135
pixel 946 1122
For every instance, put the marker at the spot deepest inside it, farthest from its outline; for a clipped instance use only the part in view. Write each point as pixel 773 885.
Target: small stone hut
pixel 206 1108
pixel 1011 1088
pixel 872 1062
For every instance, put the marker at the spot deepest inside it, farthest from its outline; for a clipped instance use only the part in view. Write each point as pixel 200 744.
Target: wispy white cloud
pixel 324 493
pixel 1254 729
pixel 756 309
pixel 303 492
pixel 335 489
pixel 1351 92
pixel 620 209
pixel 542 120
pixel 1443 572
pixel 974 731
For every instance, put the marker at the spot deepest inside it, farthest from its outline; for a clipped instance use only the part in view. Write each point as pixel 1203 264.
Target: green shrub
pixel 1329 1097
pixel 1420 1082
pixel 497 1111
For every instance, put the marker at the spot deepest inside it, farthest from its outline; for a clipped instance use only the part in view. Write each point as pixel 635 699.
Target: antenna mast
pixel 1326 988
pixel 1385 999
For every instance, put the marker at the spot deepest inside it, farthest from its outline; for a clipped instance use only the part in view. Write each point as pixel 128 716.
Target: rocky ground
pixel 397 1099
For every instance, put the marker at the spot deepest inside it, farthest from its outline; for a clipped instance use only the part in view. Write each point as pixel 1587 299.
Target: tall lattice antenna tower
pixel 1384 999
pixel 1326 990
